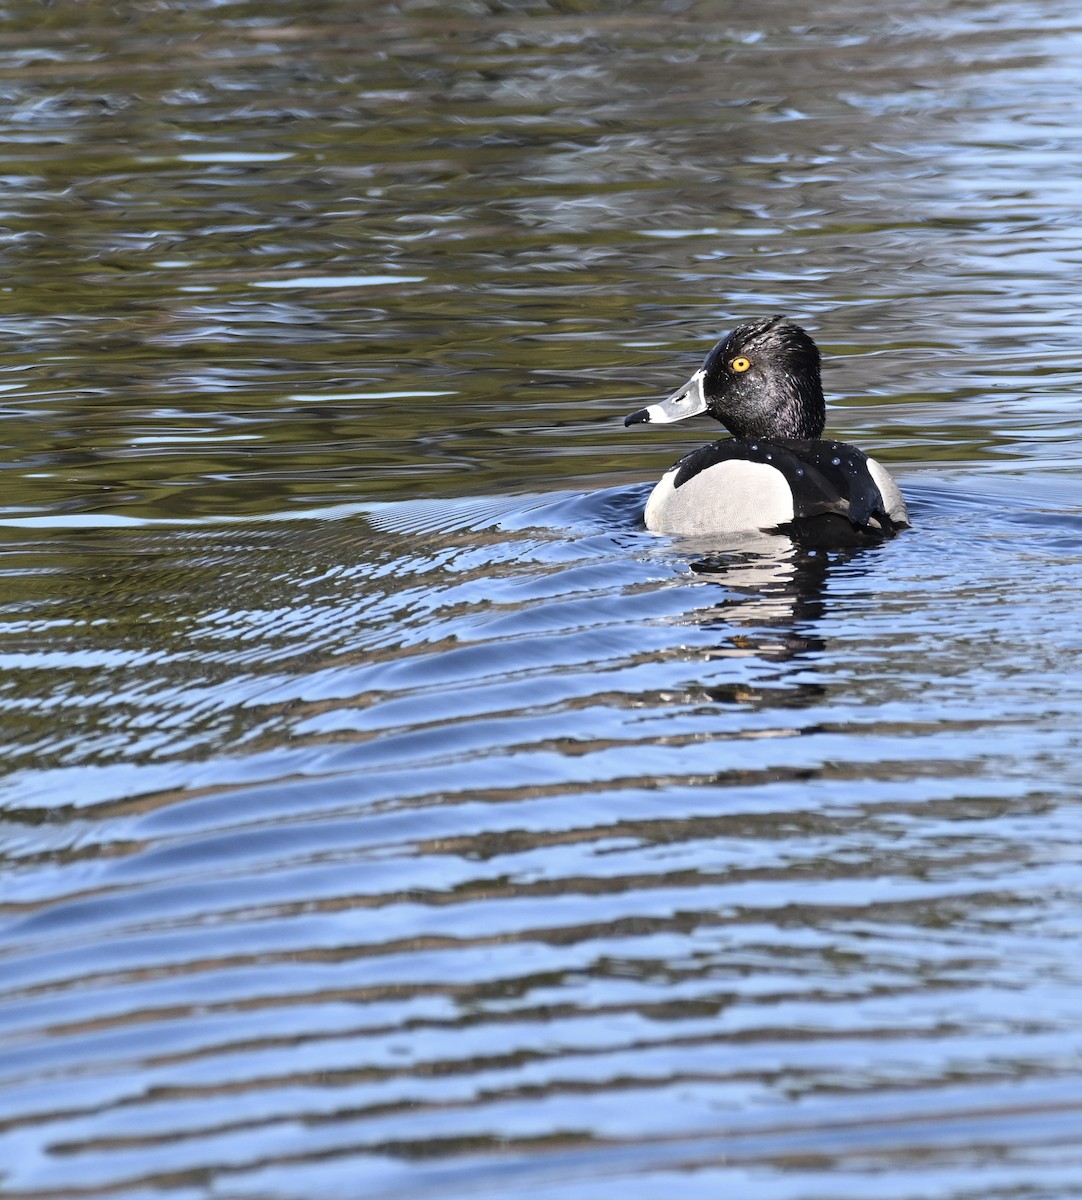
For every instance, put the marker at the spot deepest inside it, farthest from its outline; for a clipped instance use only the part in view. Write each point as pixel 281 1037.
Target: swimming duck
pixel 762 383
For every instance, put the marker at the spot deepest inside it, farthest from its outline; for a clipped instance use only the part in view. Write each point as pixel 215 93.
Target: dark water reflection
pixel 383 812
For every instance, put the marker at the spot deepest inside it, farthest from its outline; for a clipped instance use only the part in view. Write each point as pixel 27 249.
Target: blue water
pixel 384 812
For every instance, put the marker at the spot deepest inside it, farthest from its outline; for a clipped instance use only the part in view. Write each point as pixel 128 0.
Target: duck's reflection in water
pixel 771 603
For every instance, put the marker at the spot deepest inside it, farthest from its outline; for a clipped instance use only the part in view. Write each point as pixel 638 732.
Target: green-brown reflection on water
pixel 576 219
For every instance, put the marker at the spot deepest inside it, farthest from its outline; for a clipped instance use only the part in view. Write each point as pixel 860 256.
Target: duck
pixel 776 471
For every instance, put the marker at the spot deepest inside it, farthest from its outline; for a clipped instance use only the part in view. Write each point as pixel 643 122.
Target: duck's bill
pixel 685 402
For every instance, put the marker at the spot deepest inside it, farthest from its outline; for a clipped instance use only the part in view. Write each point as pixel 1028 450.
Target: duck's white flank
pixel 725 498
pixel 893 501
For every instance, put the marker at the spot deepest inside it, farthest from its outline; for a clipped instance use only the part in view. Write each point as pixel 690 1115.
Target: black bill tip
pixel 642 417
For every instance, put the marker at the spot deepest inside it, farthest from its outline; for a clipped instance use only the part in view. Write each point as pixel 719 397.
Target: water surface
pixel 383 811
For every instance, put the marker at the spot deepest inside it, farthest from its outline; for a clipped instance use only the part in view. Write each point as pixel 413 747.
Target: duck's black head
pixel 763 381
pixel 760 381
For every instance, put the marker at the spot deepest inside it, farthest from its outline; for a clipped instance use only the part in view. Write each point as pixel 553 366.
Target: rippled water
pixel 383 811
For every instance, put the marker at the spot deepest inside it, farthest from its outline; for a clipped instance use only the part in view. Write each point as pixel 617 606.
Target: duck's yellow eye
pixel 740 364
